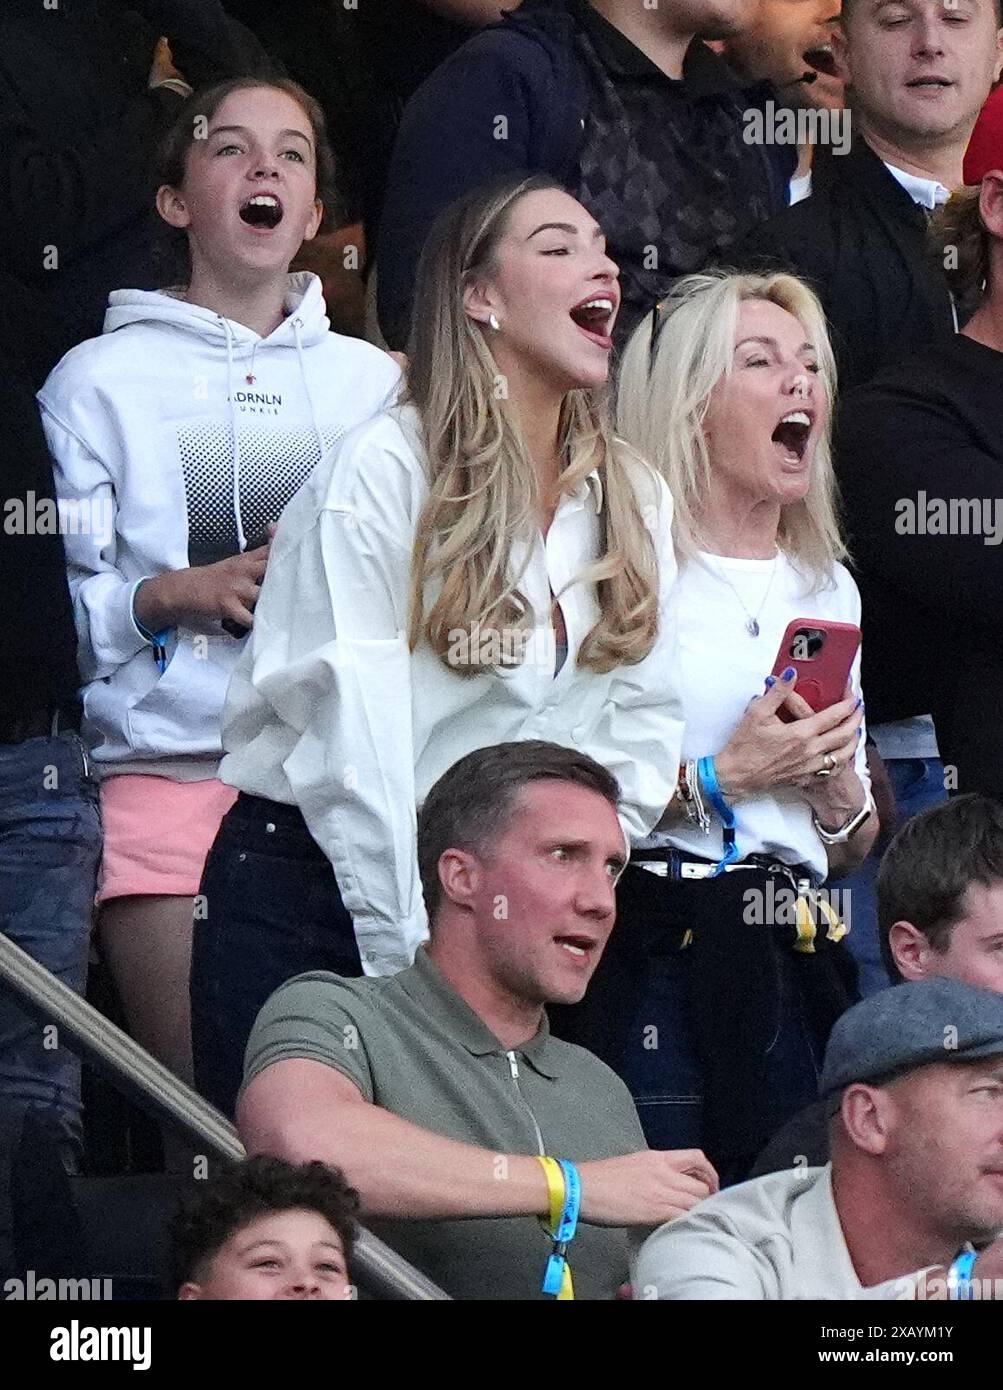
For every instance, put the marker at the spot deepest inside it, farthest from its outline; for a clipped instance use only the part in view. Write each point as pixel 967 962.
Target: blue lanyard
pixel 564 1234
pixel 708 776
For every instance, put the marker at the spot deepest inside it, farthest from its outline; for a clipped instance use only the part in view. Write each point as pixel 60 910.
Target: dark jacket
pixel 527 70
pixel 860 241
pixel 78 134
pixel 38 641
pixel 932 603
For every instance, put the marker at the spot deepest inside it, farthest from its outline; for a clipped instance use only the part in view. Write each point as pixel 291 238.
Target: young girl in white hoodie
pixel 178 437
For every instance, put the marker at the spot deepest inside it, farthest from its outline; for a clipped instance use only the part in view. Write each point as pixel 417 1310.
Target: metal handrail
pixel 131 1067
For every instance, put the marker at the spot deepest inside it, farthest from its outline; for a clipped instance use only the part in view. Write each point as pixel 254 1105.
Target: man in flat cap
pixel 911 1205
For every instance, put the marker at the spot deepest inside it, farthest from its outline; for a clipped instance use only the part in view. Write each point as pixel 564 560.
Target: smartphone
pixel 822 652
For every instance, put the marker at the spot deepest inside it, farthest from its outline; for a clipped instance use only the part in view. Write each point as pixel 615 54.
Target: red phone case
pixel 822 674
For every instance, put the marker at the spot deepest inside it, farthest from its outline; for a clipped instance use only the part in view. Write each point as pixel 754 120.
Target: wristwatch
pixel 840 836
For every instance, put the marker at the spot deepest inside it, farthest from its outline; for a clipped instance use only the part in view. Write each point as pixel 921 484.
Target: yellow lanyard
pixel 809 901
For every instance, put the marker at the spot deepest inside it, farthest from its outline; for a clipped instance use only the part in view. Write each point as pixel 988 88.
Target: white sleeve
pixel 102 596
pixel 640 734
pixel 331 659
pixel 682 1263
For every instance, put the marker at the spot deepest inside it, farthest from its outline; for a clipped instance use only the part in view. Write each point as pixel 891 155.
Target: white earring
pixel 493 321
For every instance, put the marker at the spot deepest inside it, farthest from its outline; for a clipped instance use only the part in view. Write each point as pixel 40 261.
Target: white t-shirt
pixel 774 1239
pixel 722 668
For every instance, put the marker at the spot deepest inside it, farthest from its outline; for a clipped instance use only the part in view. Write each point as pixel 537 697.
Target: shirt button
pixel 578 733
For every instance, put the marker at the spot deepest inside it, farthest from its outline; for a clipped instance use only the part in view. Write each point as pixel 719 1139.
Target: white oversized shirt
pixel 330 711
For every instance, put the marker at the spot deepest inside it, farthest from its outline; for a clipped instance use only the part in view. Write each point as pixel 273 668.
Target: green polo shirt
pixel 412 1046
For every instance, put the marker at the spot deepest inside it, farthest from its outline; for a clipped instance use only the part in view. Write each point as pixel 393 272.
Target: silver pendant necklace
pixel 752 619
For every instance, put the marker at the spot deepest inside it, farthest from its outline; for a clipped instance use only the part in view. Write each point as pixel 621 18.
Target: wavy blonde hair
pixel 484 493
pixel 670 367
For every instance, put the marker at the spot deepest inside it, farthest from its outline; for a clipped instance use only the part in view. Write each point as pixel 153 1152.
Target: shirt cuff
pixel 152 639
pixel 386 948
pixel 174 84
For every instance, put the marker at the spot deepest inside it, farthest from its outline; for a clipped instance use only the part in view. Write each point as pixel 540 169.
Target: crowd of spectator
pixel 446 729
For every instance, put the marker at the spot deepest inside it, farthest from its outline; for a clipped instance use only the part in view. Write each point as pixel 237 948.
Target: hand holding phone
pixel 822 653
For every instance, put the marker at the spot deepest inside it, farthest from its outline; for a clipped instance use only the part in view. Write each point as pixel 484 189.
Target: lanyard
pixel 564 1188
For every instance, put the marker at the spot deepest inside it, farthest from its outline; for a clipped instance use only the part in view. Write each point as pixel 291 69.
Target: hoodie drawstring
pixel 297 325
pixel 234 437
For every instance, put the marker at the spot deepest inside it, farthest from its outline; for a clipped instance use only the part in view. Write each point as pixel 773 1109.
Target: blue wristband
pixel 553 1277
pixel 708 778
pixel 959 1276
pixel 157 640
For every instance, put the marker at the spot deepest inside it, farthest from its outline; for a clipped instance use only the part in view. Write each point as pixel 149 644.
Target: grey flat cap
pixel 909 1026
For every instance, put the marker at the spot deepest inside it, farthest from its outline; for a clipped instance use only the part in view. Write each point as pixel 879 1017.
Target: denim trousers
pixel 269 908
pixel 918 783
pixel 50 844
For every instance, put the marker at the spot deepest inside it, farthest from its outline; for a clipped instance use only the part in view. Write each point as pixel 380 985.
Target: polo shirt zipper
pixel 513 1068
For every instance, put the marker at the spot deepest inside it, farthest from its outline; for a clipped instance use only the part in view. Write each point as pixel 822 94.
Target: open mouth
pixel 821 60
pixel 579 947
pixel 595 318
pixel 792 435
pixel 263 210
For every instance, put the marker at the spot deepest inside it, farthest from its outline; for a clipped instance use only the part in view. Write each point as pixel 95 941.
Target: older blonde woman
pixel 724 976
pixel 482 563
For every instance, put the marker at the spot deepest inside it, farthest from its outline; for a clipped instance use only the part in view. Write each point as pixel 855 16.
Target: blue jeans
pixel 273 910
pixel 50 843
pixel 918 783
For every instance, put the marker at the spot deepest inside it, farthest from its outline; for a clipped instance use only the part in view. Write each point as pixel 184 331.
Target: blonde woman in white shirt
pixel 483 562
pixel 715 997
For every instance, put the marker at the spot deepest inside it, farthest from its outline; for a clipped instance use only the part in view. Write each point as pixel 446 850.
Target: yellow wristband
pixel 555 1189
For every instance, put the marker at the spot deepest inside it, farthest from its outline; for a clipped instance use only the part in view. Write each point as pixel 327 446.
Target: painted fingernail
pixel 789 674
pixel 770 682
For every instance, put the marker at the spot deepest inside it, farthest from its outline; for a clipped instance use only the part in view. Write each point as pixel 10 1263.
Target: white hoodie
pixel 167 455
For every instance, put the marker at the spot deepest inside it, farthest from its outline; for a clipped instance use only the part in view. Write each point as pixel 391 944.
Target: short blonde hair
pixel 671 365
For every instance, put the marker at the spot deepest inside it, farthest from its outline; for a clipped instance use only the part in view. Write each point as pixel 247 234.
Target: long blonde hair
pixel 484 492
pixel 670 367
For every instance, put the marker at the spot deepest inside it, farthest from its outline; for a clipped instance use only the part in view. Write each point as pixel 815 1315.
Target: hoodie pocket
pixel 180 713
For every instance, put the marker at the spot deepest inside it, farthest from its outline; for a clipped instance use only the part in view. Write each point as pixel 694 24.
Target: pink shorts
pixel 157 834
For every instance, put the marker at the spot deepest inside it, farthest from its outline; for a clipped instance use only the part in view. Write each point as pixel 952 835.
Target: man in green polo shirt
pixel 436 1089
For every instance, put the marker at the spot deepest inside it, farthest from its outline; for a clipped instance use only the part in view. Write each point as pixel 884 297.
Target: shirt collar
pixel 429 988
pixel 703 71
pixel 822 1264
pixel 929 193
pixel 590 486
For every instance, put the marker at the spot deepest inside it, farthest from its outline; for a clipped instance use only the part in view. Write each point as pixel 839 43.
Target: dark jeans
pixel 918 783
pixel 50 842
pixel 272 910
pixel 716 1024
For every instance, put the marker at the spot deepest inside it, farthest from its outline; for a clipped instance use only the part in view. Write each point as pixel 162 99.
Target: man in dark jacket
pixel 860 239
pixel 619 102
pixel 86 92
pixel 50 835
